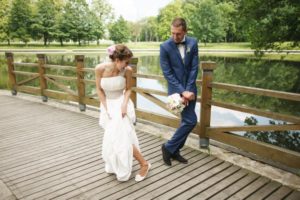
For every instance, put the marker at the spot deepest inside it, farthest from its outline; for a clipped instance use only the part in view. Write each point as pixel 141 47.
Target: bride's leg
pixel 143 163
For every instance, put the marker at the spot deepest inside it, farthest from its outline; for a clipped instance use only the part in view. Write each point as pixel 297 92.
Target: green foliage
pixel 44 23
pixel 102 10
pixel 5 7
pixel 266 24
pixel 269 23
pixel 102 15
pixel 205 20
pixel 165 17
pixel 149 30
pixel 119 31
pixel 20 20
pixel 76 21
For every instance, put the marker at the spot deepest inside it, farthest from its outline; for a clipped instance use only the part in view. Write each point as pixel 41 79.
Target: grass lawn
pixel 285 57
pixel 155 45
pixel 134 45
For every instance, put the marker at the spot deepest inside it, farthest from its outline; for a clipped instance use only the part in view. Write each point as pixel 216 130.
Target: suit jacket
pixel 181 74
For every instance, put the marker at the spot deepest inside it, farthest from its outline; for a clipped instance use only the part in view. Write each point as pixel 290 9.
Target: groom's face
pixel 177 33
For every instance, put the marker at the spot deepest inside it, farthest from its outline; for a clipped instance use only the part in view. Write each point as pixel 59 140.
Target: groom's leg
pixel 188 122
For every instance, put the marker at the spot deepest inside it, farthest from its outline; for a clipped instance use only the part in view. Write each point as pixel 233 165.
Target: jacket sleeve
pixel 192 76
pixel 168 71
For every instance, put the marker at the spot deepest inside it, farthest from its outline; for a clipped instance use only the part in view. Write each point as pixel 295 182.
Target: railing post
pixel 206 96
pixel 11 75
pixel 80 83
pixel 42 71
pixel 133 64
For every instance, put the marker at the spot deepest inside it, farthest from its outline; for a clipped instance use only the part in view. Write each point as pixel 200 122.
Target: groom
pixel 179 62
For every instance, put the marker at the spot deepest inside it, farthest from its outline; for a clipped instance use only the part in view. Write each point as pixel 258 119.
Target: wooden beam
pixel 156 101
pixel 157 118
pixel 144 90
pixel 25 73
pixel 267 151
pixel 257 91
pixel 91 101
pixel 26 64
pixel 61 67
pixel 28 80
pixel 29 89
pixel 89 81
pixel 60 95
pixel 254 128
pixel 66 78
pixel 149 76
pixel 272 115
pixel 61 86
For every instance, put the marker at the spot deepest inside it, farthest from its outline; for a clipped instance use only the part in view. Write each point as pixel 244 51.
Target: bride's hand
pixel 124 110
pixel 108 115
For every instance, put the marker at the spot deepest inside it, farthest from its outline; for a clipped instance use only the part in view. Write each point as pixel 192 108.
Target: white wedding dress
pixel 119 133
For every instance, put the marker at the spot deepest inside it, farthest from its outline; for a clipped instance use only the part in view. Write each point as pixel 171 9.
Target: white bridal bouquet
pixel 175 103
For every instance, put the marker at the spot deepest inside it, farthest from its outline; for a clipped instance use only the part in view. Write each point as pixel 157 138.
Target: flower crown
pixel 111 49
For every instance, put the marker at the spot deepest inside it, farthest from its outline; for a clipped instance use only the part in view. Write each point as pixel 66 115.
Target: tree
pixel 103 11
pixel 148 29
pixel 205 20
pixel 75 20
pixel 103 15
pixel 119 31
pixel 270 23
pixel 20 20
pixel 44 20
pixel 229 13
pixel 5 7
pixel 135 30
pixel 165 17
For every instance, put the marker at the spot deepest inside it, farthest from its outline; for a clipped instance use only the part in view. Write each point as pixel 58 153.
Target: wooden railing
pixel 203 129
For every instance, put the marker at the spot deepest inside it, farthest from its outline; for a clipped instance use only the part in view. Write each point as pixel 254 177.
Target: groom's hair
pixel 178 21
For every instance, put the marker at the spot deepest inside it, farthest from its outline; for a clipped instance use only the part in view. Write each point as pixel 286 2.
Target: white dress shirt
pixel 181 48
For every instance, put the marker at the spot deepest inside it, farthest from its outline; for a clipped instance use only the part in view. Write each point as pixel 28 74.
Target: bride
pixel 120 143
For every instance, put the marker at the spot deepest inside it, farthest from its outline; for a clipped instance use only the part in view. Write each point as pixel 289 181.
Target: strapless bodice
pixel 113 87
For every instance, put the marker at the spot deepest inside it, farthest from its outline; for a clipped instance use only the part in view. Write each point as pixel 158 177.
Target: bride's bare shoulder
pixel 100 67
pixel 128 69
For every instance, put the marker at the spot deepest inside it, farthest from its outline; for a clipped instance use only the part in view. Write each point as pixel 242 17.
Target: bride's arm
pixel 128 76
pixel 98 72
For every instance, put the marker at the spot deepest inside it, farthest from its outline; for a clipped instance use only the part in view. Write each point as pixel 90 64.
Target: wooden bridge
pixel 50 153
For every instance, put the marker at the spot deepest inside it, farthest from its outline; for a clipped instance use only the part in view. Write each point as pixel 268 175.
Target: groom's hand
pixel 185 101
pixel 188 95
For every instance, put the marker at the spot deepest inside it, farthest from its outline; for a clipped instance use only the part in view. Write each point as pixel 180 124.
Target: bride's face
pixel 121 64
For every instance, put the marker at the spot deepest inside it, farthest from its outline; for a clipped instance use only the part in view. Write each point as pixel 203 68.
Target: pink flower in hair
pixel 111 50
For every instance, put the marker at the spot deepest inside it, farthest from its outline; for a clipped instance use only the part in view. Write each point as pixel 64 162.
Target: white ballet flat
pixel 139 178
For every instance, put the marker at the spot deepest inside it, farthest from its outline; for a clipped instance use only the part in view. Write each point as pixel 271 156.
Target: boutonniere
pixel 188 49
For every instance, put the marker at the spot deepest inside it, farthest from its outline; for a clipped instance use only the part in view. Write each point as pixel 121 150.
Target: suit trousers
pixel 188 122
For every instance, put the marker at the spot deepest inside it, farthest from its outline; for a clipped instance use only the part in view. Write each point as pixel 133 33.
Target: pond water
pixel 268 74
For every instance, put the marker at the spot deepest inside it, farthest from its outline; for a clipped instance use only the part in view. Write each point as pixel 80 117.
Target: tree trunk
pixel 45 40
pixel 61 42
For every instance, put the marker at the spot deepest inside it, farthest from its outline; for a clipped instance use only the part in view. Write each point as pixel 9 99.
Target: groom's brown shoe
pixel 166 155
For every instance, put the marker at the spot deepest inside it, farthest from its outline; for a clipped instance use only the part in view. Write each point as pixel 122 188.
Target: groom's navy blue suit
pixel 181 76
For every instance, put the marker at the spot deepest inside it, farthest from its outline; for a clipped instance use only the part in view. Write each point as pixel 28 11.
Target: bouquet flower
pixel 175 103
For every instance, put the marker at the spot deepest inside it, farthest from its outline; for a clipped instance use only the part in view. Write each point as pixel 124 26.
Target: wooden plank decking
pixel 51 153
